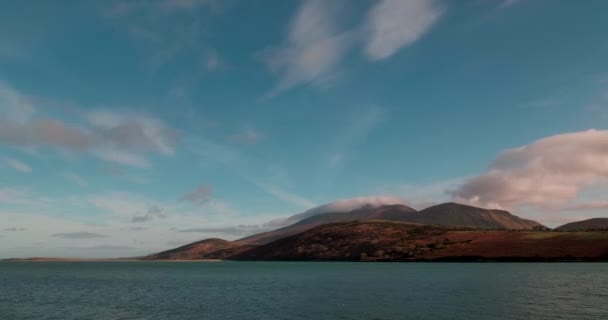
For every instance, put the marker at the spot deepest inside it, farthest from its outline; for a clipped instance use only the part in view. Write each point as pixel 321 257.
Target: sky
pixel 128 127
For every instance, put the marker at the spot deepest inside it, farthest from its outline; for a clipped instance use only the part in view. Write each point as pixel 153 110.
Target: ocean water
pixel 290 290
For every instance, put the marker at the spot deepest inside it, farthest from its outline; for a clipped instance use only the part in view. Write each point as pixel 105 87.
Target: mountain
pixel 397 241
pixel 589 224
pixel 447 214
pixel 205 249
pixel 367 212
pixel 459 215
pixel 341 205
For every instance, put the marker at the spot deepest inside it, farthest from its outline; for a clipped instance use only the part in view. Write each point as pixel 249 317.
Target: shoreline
pixel 437 260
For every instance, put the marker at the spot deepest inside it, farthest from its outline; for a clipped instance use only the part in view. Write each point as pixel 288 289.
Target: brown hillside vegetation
pixel 205 249
pixel 394 241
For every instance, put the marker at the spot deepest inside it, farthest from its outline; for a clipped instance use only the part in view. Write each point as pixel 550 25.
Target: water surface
pixel 286 290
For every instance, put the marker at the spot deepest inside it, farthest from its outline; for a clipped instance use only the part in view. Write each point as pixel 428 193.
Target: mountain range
pixel 447 214
pixel 396 232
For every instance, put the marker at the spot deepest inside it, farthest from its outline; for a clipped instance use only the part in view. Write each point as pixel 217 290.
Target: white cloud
pixel 342 205
pixel 313 48
pixel 317 42
pixel 16 164
pixel 424 195
pixel 74 178
pixel 394 24
pixel 549 173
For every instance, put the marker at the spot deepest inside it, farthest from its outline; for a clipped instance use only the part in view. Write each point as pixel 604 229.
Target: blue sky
pixel 123 123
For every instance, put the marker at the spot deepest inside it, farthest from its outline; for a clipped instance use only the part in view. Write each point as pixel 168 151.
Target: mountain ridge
pixel 449 214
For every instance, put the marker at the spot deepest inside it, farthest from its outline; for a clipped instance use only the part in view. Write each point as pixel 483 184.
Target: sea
pixel 302 290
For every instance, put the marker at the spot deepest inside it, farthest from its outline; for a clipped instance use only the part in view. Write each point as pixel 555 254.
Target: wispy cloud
pixel 591 205
pixel 122 138
pixel 314 46
pixel 355 132
pixel 286 196
pixel 240 230
pixel 248 136
pixel 79 235
pixel 201 195
pixel 317 42
pixel 15 164
pixel 168 30
pixel 152 213
pixel 74 178
pixel 14 106
pixel 394 24
pixel 508 3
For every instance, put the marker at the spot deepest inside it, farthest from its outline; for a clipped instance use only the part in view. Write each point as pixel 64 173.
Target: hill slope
pixel 459 215
pixel 205 249
pixel 395 241
pixel 589 224
pixel 386 212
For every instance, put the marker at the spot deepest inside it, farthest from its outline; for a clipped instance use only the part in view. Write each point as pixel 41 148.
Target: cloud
pixel 14 106
pixel 153 212
pixel 75 179
pixel 166 31
pixel 286 196
pixel 14 229
pixel 424 195
pixel 508 3
pixel 107 248
pixel 171 5
pixel 199 196
pixel 592 205
pixel 16 164
pixel 138 228
pixel 212 61
pixel 335 160
pixel 14 196
pixel 313 48
pixel 240 230
pixel 548 173
pixel 116 137
pixel 356 129
pixel 79 235
pixel 394 24
pixel 342 205
pixel 316 43
pixel 249 136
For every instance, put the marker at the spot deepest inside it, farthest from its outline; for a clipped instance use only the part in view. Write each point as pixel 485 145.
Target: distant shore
pixel 103 260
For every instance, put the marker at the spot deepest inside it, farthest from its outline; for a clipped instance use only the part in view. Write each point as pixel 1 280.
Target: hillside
pixel 396 241
pixel 447 214
pixel 459 215
pixel 205 249
pixel 585 225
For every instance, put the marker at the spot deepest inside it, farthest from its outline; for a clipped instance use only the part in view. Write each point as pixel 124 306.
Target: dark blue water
pixel 268 290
